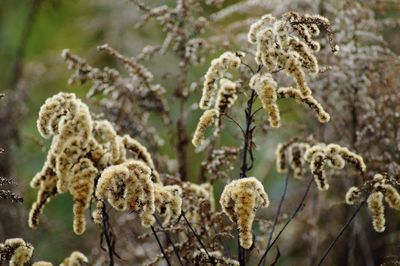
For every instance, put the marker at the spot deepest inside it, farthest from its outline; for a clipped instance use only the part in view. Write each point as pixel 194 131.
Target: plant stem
pixel 278 212
pixel 198 238
pixel 170 242
pixel 159 244
pixel 341 232
pixel 244 168
pixel 299 207
pixel 247 134
pixel 106 234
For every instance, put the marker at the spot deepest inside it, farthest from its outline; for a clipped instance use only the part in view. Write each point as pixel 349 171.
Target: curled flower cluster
pixel 381 189
pixel 286 44
pixel 207 119
pixel 226 96
pixel 80 151
pixel 266 87
pixel 352 195
pixel 16 250
pixel 334 156
pixel 239 200
pixel 216 71
pixel 126 186
pixel 168 202
pixel 129 186
pixel 291 154
pixel 311 102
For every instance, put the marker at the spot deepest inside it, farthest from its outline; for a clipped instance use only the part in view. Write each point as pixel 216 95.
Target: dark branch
pixel 170 241
pixel 198 238
pixel 278 212
pixel 298 209
pixel 160 245
pixel 341 232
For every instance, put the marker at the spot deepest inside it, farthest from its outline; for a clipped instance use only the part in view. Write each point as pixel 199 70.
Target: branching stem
pixel 106 233
pixel 198 238
pixel 160 245
pixel 170 242
pixel 278 212
pixel 298 209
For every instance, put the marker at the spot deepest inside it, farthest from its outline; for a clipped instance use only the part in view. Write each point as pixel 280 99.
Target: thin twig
pixel 159 244
pixel 170 241
pixel 278 212
pixel 107 236
pixel 198 238
pixel 299 207
pixel 234 121
pixel 256 111
pixel 249 67
pixel 341 232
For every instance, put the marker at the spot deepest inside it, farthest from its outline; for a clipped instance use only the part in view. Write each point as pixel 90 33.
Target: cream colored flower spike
pixel 375 205
pixel 227 60
pixel 207 119
pixel 239 200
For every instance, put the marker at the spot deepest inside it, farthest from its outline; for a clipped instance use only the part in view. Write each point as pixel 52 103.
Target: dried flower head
pixel 168 202
pixel 287 44
pixel 207 119
pixel 127 185
pixel 352 195
pixel 75 259
pixel 195 197
pixel 226 96
pixel 375 205
pixel 392 196
pixel 319 156
pixel 239 200
pixel 16 250
pixel 291 154
pixel 216 71
pixel 266 87
pixel 309 100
